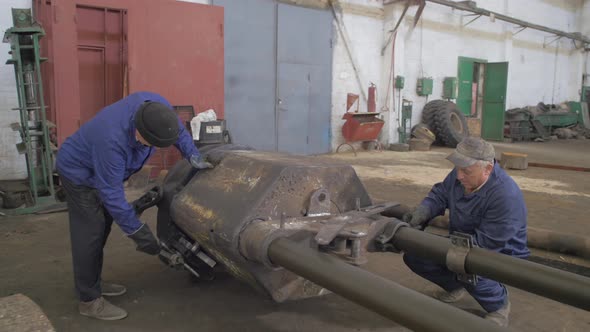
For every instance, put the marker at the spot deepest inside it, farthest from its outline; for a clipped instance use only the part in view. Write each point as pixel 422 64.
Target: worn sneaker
pixel 450 297
pixel 109 289
pixel 101 309
pixel 500 316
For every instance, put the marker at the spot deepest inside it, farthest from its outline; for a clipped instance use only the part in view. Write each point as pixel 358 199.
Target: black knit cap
pixel 157 124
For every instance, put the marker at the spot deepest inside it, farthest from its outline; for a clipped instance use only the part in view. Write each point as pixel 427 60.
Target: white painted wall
pixel 537 72
pixel 365 35
pixel 12 165
pixel 585 13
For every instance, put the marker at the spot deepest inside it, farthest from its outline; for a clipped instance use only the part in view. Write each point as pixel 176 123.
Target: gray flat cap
pixel 470 150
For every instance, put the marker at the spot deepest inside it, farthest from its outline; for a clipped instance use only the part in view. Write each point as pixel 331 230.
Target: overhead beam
pixel 469 6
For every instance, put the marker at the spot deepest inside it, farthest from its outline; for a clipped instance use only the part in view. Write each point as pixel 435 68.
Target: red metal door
pixel 170 47
pixel 101 58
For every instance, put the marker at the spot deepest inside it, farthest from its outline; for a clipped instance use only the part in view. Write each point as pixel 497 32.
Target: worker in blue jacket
pixel 93 163
pixel 486 203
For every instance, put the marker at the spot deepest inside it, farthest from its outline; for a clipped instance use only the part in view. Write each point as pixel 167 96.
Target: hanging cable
pixel 391 75
pixel 555 71
pixel 421 40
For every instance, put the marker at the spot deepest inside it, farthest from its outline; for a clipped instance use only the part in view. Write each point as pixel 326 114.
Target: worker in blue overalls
pixel 485 202
pixel 93 163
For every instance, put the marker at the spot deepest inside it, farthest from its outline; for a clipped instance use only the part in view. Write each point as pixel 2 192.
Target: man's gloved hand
pixel 198 162
pixel 418 217
pixel 145 240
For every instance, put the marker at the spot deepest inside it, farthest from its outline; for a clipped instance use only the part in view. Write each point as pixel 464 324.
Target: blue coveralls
pixel 104 153
pixel 496 217
pixel 93 163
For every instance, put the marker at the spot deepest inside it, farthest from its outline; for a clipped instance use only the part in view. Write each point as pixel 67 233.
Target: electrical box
pixel 450 88
pixel 585 90
pixel 424 86
pixel 212 132
pixel 399 82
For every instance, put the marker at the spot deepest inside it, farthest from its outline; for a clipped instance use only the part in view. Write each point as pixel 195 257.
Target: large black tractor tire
pixel 451 125
pixel 428 117
pixel 430 110
pixel 446 121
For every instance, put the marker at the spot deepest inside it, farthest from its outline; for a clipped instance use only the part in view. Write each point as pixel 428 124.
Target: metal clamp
pixel 383 241
pixel 342 239
pixel 149 199
pixel 457 254
pixel 174 259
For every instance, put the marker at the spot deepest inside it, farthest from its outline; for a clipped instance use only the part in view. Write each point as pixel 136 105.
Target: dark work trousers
pixel 490 294
pixel 90 225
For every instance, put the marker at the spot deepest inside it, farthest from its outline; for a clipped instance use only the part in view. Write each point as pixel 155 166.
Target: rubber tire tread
pixel 429 111
pixel 428 117
pixel 444 128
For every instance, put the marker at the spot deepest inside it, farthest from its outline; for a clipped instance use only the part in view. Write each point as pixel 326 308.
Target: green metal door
pixel 465 81
pixel 494 100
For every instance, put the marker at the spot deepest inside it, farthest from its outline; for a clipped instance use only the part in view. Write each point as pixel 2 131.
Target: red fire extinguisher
pixel 371 100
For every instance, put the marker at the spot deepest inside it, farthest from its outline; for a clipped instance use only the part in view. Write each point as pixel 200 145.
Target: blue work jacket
pixel 495 215
pixel 104 153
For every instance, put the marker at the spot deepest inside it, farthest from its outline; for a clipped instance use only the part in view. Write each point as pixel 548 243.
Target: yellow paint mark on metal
pixel 200 210
pixel 230 181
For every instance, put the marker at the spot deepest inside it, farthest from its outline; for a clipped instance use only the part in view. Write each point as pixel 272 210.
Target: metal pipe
pixel 480 11
pixel 402 305
pixel 546 239
pixel 565 243
pixel 562 286
pixel 542 280
pixel 571 244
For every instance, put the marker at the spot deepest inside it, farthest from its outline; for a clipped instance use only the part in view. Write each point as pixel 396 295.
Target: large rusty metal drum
pixel 216 206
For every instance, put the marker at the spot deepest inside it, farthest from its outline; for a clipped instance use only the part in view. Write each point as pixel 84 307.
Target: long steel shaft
pixel 402 305
pixel 545 281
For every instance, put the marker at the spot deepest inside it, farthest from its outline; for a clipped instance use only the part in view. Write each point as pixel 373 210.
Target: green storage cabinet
pixel 450 88
pixel 424 86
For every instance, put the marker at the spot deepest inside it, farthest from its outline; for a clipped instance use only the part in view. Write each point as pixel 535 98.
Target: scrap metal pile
pixel 542 121
pixel 294 227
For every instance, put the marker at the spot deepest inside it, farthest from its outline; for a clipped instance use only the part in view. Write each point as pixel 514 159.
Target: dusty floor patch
pixel 428 176
pixel 421 176
pixel 394 156
pixel 547 186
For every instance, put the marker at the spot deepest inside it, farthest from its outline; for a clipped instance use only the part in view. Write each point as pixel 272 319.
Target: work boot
pixel 450 297
pixel 109 289
pixel 500 316
pixel 101 309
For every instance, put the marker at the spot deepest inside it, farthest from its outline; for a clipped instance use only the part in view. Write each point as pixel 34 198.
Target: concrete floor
pixel 562 152
pixel 35 260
